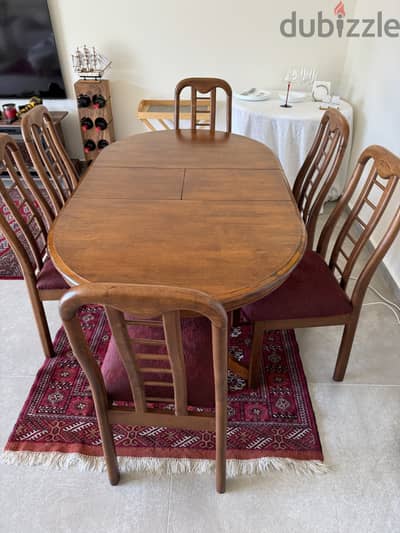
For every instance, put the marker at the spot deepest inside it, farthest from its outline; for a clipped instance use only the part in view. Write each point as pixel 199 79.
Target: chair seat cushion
pixel 197 348
pixel 310 291
pixel 50 279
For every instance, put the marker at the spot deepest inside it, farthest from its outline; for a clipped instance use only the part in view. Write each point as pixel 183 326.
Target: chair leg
pixel 220 454
pixel 256 355
pixel 344 350
pixel 109 448
pixel 41 322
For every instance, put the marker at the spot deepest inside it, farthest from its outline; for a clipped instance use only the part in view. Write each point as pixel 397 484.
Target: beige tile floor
pixel 359 423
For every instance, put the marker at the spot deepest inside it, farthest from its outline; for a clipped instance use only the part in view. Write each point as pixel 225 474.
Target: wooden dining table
pixel 212 212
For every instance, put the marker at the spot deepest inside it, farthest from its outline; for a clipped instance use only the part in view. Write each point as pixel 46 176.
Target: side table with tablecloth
pixel 288 132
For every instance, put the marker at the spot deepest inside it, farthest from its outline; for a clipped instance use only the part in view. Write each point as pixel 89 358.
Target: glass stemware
pixel 292 75
pixel 307 76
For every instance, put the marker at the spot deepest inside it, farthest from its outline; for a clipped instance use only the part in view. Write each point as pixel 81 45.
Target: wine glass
pixel 292 75
pixel 308 75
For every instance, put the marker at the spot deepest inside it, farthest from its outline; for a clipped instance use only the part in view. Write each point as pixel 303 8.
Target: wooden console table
pixel 14 130
pixel 15 127
pixel 162 111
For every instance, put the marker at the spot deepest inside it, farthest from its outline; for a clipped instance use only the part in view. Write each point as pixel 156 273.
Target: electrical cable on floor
pixel 387 303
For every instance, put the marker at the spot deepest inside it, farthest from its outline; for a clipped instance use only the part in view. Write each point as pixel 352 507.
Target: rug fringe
pixel 162 466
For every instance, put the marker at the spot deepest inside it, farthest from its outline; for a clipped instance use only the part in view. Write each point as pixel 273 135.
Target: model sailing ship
pixel 89 64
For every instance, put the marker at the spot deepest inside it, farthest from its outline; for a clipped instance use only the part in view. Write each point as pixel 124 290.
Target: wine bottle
pixel 89 146
pixel 98 101
pixel 86 123
pixel 102 144
pixel 84 100
pixel 100 123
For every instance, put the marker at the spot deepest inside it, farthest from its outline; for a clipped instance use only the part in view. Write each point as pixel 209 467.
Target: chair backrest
pixel 49 156
pixel 147 302
pixel 204 86
pixel 378 174
pixel 320 169
pixel 23 225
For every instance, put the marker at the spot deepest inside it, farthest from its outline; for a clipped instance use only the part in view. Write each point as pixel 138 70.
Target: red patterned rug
pixel 270 427
pixel 9 267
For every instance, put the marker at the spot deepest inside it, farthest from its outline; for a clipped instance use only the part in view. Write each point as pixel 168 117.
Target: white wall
pixel 154 43
pixel 371 82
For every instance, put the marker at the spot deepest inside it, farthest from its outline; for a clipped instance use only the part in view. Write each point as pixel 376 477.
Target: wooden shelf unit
pixel 90 88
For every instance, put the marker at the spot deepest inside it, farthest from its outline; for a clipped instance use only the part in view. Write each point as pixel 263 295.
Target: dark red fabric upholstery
pixel 197 348
pixel 49 278
pixel 310 291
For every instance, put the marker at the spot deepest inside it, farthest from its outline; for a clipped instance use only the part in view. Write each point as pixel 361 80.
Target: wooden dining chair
pixel 320 168
pixel 315 294
pixel 152 362
pixel 25 230
pixel 204 86
pixel 49 157
pixel 316 178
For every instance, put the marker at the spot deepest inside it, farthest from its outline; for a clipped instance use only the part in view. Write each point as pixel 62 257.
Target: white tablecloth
pixel 288 132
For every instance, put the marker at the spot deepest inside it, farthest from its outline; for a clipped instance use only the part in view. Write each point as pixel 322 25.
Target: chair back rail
pixel 27 238
pixel 204 86
pixel 376 192
pixel 147 302
pixel 320 168
pixel 49 156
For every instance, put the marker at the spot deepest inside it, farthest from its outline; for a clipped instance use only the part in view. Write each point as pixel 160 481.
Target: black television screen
pixel 29 64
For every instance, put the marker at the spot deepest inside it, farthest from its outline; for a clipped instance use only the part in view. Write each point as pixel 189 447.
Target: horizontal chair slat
pixel 158 383
pixel 158 399
pixel 143 322
pixel 153 342
pixel 152 357
pixel 152 370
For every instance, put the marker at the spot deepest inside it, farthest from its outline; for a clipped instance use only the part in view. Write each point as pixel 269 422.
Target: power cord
pixel 387 303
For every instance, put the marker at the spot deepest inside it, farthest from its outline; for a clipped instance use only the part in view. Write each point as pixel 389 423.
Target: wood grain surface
pixel 187 209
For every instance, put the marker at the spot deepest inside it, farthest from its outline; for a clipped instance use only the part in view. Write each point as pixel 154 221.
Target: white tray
pixel 294 97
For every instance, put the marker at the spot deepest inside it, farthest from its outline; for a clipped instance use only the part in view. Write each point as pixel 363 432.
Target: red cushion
pixel 197 348
pixel 49 278
pixel 310 291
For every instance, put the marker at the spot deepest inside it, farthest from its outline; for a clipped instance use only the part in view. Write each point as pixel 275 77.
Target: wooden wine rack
pixel 92 87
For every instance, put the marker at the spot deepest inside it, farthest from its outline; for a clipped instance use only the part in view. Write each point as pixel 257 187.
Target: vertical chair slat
pixel 213 109
pixel 193 109
pixel 173 337
pixel 123 342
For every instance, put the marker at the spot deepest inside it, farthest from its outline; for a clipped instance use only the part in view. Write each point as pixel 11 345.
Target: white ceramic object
pixel 321 90
pixel 294 97
pixel 254 96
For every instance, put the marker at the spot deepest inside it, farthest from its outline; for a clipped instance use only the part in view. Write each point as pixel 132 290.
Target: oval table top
pixel 211 212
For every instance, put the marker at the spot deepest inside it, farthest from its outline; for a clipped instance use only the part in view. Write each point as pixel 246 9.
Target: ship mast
pixel 89 63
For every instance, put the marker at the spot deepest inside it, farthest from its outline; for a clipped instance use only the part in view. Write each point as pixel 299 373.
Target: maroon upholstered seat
pixel 197 348
pixel 50 279
pixel 310 291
